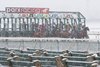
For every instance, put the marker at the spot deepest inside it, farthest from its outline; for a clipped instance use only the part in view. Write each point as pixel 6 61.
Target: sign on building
pixel 27 10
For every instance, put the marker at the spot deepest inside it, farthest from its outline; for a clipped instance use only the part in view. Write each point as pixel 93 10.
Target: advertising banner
pixel 27 10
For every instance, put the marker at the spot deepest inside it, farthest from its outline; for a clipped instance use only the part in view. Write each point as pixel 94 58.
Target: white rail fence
pixel 94 34
pixel 53 44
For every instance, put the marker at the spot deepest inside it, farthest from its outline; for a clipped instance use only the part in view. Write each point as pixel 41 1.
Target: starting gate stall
pixel 39 22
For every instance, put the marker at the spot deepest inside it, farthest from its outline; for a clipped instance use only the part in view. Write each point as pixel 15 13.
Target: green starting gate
pixel 25 25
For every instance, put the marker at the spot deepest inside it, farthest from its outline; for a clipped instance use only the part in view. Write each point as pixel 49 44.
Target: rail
pixel 52 44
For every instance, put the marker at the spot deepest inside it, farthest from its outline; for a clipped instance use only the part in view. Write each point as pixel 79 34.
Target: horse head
pixel 84 32
pixel 87 28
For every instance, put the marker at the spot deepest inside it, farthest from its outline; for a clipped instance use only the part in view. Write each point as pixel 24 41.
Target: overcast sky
pixel 89 8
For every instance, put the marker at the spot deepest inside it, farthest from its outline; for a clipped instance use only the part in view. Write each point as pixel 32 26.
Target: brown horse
pixel 60 33
pixel 83 33
pixel 37 34
pixel 40 31
pixel 66 32
pixel 56 32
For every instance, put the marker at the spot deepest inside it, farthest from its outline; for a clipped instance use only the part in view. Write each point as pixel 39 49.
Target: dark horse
pixel 83 33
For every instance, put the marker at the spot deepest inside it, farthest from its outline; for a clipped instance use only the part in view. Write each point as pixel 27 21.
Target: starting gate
pixel 52 24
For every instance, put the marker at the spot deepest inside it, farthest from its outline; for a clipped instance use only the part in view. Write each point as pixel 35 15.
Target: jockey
pixel 41 27
pixel 68 27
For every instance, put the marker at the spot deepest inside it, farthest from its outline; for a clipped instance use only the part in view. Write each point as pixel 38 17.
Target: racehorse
pixel 55 32
pixel 74 32
pixel 83 32
pixel 66 33
pixel 40 32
